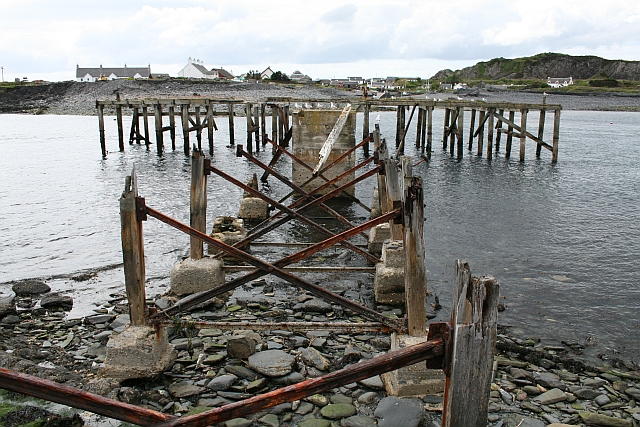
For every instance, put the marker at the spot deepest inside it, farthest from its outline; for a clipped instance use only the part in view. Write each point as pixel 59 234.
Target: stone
pixel 587 393
pixel 315 422
pixel 215 402
pixel 549 380
pixel 318 400
pixel 256 385
pixel 253 209
pixel 270 420
pixel 183 389
pixel 552 396
pixel 594 382
pixel 388 285
pixel 368 397
pixel 336 411
pixel 374 383
pixel 272 363
pixel 514 420
pixel 222 382
pixel 633 392
pixel 559 425
pixel 100 318
pixel 213 359
pixel 317 305
pixel 56 300
pixel 357 421
pixel 292 378
pixel 314 358
pixel 395 412
pixel 281 408
pixel 228 230
pixel 377 237
pixel 30 287
pixel 138 352
pixel 7 306
pixel 602 400
pixel 240 346
pixel 393 254
pixel 592 419
pixel 304 408
pixel 196 275
pixel 242 372
pixel 238 422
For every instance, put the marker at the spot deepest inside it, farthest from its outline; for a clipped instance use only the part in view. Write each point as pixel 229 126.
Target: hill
pixel 546 65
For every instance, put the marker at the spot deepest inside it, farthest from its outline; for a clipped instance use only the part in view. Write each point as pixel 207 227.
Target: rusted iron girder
pixel 70 396
pixel 275 270
pixel 347 327
pixel 279 218
pixel 291 212
pixel 201 297
pixel 352 373
pixel 241 152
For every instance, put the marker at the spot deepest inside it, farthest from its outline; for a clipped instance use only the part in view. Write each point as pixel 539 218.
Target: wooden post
pixel 383 154
pixel 274 126
pixel 103 142
pixel 419 128
pixel 394 194
pixel 429 131
pixel 172 127
pixel 453 129
pixel 281 126
pixel 256 126
pixel 248 111
pixel 401 126
pixel 145 120
pixel 158 122
pixel 447 116
pixel 285 126
pixel 198 216
pixel 460 131
pixel 415 276
pixel 540 130
pixel 232 136
pixel 523 132
pixel 133 252
pixel 499 130
pixel 490 133
pixel 135 122
pixel 512 117
pixel 210 125
pixel 365 127
pixel 185 127
pixel 423 133
pixel 556 135
pixel 120 130
pixel 481 133
pixel 472 129
pixel 263 123
pixel 198 128
pixel 474 319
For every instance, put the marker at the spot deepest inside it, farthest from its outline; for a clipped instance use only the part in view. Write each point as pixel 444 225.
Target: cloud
pixel 339 15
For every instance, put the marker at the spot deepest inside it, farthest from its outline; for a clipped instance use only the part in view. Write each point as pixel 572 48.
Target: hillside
pixel 546 65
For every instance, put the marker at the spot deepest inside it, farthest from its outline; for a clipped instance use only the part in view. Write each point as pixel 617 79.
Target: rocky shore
pixel 534 384
pixel 78 98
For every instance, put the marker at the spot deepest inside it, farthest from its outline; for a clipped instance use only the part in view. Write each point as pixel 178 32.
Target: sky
pixel 323 39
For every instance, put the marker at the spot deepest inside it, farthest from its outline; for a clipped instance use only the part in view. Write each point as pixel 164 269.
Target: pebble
pixel 395 412
pixel 336 411
pixel 272 363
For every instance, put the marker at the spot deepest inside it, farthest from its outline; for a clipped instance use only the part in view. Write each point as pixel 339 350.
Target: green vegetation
pixel 603 83
pixel 279 76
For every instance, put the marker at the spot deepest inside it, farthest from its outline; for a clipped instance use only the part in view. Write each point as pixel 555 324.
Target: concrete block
pixel 253 209
pixel 412 380
pixel 377 236
pixel 376 211
pixel 388 285
pixel 393 254
pixel 229 230
pixel 196 275
pixel 138 352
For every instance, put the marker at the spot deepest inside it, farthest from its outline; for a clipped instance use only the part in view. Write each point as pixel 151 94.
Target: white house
pixel 195 69
pixel 112 73
pixel 559 81
pixel 267 73
pixel 298 77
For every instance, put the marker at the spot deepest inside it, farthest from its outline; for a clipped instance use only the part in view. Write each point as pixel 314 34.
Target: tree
pixel 279 76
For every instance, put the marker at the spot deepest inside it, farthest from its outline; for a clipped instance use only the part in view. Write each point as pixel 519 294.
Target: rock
pixel 270 420
pixel 304 408
pixel 591 419
pixel 341 398
pixel 100 318
pixel 336 411
pixel 7 306
pixel 549 380
pixel 242 372
pixel 531 390
pixel 633 392
pixel 315 422
pixel 552 396
pixel 11 319
pixel 256 385
pixel 514 420
pixel 518 373
pixel 594 382
pixel 238 422
pixel 183 389
pixel 587 393
pixel 395 412
pixel 357 421
pixel 30 287
pixel 272 363
pixel 218 401
pixel 318 400
pixel 373 383
pixel 222 382
pixel 292 378
pixel 317 305
pixel 240 346
pixel 56 300
pixel 602 400
pixel 368 397
pixel 314 358
pixel 281 408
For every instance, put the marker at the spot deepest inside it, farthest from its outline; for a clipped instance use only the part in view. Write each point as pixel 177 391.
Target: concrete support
pixel 253 208
pixel 196 275
pixel 388 286
pixel 228 230
pixel 377 237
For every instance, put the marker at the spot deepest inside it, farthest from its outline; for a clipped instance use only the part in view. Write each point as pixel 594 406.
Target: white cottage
pixel 112 73
pixel 559 81
pixel 195 69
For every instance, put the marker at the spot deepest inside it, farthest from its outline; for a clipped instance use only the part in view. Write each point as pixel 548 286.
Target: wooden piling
pixel 210 127
pixel 145 121
pixel 198 127
pixel 480 132
pixel 232 137
pixel 274 126
pixel 523 132
pixel 120 129
pixel 419 128
pixel 512 117
pixel 158 122
pixel 172 127
pixel 394 195
pixel 256 126
pixel 184 109
pixel 133 134
pixel 460 131
pixel 429 131
pixel 401 124
pixel 447 116
pixel 415 276
pixel 103 142
pixel 133 253
pixel 490 133
pixel 248 112
pixel 556 135
pixel 474 319
pixel 453 129
pixel 499 129
pixel 540 131
pixel 472 129
pixel 198 199
pixel 423 134
pixel 263 123
pixel 286 126
pixel 365 127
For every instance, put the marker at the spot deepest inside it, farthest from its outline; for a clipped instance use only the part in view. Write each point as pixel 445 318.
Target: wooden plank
pixel 274 126
pixel 365 127
pixel 263 123
pixel 447 116
pixel 286 126
pixel 158 124
pixel 540 131
pixel 394 194
pixel 453 129
pixel 133 253
pixel 248 109
pixel 556 135
pixel 120 129
pixel 198 126
pixel 423 131
pixel 511 122
pixel 460 133
pixel 528 134
pixel 523 132
pixel 210 127
pixel 134 126
pixel 419 128
pixel 103 143
pixel 499 129
pixel 474 318
pixel 490 134
pixel 415 276
pixel 198 202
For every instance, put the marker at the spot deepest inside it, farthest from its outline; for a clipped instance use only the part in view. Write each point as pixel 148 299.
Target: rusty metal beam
pixel 65 395
pixel 275 270
pixel 352 373
pixel 347 327
pixel 237 268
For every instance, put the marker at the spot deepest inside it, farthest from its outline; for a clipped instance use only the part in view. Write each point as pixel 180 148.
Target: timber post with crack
pixel 458 353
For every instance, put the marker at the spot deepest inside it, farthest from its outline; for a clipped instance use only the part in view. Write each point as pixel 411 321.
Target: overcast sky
pixel 324 39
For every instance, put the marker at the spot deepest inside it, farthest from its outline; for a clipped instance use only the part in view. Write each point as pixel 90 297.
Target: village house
pixel 195 69
pixel 112 73
pixel 559 81
pixel 344 83
pixel 298 77
pixel 267 73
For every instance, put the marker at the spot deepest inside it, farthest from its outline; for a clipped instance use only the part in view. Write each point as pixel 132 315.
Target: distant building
pixel 195 69
pixel 298 77
pixel 344 83
pixel 446 86
pixel 101 73
pixel 222 74
pixel 267 73
pixel 559 81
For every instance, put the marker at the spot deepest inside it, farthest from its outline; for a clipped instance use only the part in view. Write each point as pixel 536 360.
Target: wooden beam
pixel 511 123
pixel 523 132
pixel 184 109
pixel 120 129
pixel 472 128
pixel 145 121
pixel 232 136
pixel 460 133
pixel 198 202
pixel 490 133
pixel 556 135
pixel 103 143
pixel 172 127
pixel 480 132
pixel 158 125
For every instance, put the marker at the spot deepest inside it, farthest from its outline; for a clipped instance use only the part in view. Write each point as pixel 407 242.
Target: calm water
pixel 562 239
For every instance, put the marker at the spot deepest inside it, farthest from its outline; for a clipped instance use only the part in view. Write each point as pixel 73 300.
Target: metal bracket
pixel 141 209
pixel 376 157
pixel 441 330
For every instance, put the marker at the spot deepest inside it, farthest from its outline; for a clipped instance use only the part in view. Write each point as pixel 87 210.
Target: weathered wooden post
pixel 472 129
pixel 460 131
pixel 135 125
pixel 447 116
pixel 185 127
pixel 419 128
pixel 274 126
pixel 103 143
pixel 198 128
pixel 474 318
pixel 365 127
pixel 145 120
pixel 248 112
pixel 232 136
pixel 210 126
pixel 512 118
pixel 263 123
pixel 480 132
pixel 286 125
pixel 523 131
pixel 158 122
pixel 401 124
pixel 453 130
pixel 543 113
pixel 120 129
pixel 133 251
pixel 499 129
pixel 172 126
pixel 429 131
pixel 490 133
pixel 415 276
pixel 556 135
pixel 394 195
pixel 423 132
pixel 198 205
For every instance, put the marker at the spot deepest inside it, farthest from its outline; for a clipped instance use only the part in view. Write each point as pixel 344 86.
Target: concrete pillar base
pixel 229 230
pixel 412 380
pixel 196 275
pixel 377 237
pixel 253 209
pixel 375 205
pixel 138 352
pixel 388 285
